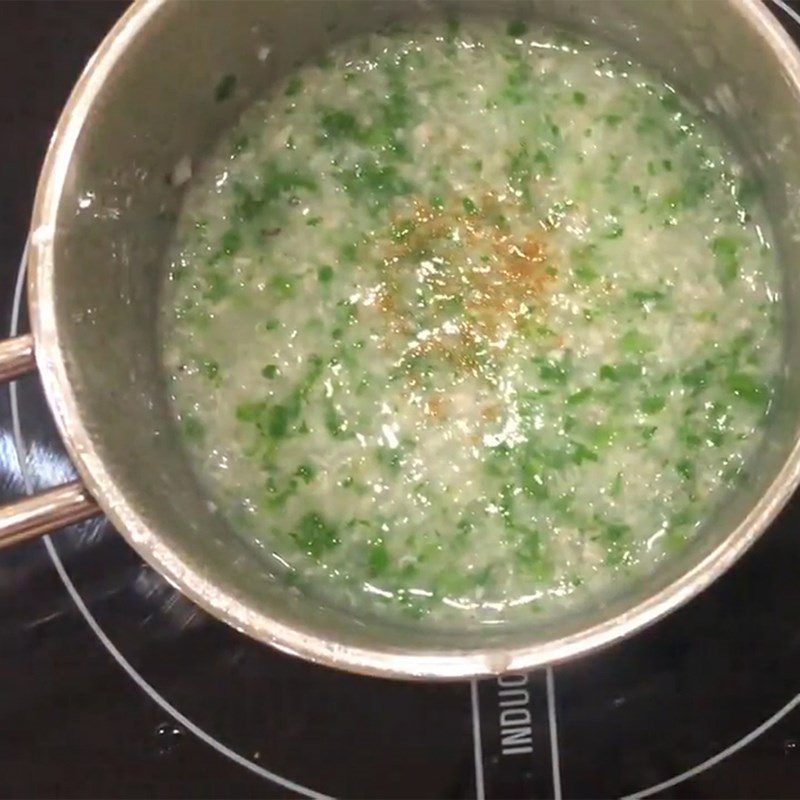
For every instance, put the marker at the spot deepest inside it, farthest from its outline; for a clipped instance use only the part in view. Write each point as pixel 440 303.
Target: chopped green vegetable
pixel 377 558
pixel 315 535
pixel 747 388
pixel 193 429
pixel 652 404
pixel 231 241
pixel 553 370
pixel 294 86
pixel 672 102
pixel 225 88
pixel 725 250
pixel 635 342
pixel 338 124
pixel 283 286
pixel 210 369
pixel 306 472
pixel 580 396
pixel 620 372
pixel 579 453
pixel 374 184
pixel 270 371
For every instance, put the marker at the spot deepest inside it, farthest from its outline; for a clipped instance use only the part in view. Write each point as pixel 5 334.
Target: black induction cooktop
pixel 113 685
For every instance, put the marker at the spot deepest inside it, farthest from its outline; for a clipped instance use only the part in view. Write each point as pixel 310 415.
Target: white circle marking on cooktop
pixel 477 742
pixel 721 756
pixel 552 724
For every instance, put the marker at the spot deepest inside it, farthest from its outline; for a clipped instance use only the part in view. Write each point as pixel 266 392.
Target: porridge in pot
pixel 471 322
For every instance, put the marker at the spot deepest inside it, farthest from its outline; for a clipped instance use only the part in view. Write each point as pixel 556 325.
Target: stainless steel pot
pixel 104 213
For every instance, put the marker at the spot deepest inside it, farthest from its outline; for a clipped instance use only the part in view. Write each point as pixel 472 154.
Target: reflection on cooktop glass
pixel 116 686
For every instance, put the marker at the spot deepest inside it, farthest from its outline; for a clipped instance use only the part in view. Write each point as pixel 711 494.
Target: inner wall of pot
pixel 116 213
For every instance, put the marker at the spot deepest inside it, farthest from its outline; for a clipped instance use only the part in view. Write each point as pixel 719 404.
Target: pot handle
pixel 52 508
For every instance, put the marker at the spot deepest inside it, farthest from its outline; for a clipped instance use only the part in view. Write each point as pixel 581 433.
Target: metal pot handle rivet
pixel 50 509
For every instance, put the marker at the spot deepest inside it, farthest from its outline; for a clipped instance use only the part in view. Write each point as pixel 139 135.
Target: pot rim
pixel 52 356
